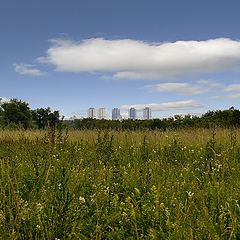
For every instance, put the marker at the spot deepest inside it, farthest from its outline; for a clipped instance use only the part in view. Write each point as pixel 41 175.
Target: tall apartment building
pixel 102 113
pixel 116 114
pixel 132 113
pixel 146 113
pixel 91 113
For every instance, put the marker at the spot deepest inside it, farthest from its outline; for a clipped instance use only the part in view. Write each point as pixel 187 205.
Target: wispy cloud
pixel 28 69
pixel 233 88
pixel 186 89
pixel 229 96
pixel 132 59
pixel 233 91
pixel 181 88
pixel 188 104
pixel 234 96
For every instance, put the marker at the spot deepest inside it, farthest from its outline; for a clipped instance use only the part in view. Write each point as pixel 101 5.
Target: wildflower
pixel 190 195
pixel 81 200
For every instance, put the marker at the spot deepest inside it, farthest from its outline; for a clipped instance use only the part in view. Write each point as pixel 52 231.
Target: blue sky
pixel 175 56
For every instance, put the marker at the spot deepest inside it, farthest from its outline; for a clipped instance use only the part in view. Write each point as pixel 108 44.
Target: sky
pixel 176 57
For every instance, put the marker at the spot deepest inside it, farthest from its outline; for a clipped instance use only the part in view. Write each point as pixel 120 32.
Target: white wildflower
pixel 81 200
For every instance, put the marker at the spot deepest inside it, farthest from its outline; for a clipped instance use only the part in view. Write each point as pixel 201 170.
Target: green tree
pixel 41 117
pixel 16 112
pixel 44 117
pixel 53 118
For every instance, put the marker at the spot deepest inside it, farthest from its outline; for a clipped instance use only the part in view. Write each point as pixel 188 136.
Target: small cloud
pixel 230 96
pixel 28 69
pixel 210 84
pixel 181 88
pixel 233 88
pixel 186 89
pixel 188 104
pixel 234 96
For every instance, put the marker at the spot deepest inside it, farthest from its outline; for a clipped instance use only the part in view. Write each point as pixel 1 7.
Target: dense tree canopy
pixel 44 117
pixel 17 113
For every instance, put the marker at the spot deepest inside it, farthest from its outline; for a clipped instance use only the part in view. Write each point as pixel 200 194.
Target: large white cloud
pixel 131 59
pixel 180 105
pixel 28 69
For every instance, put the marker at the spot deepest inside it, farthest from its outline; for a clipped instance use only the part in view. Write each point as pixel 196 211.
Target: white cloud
pixel 230 96
pixel 233 88
pixel 188 89
pixel 28 69
pixel 234 92
pixel 234 96
pixel 132 59
pixel 125 114
pixel 188 104
pixel 210 84
pixel 181 88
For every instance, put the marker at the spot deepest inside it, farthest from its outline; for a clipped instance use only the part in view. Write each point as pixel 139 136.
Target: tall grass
pixel 120 185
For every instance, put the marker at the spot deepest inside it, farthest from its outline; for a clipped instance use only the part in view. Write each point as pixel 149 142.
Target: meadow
pixel 88 184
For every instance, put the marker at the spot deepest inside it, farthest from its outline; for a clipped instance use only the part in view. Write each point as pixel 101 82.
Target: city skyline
pixel 175 57
pixel 116 114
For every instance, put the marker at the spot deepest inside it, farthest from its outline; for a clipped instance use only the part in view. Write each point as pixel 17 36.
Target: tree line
pixel 220 118
pixel 17 114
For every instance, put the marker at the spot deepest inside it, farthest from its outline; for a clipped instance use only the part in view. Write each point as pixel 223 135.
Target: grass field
pixel 120 185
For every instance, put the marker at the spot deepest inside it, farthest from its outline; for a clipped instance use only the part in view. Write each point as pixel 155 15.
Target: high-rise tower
pixel 132 113
pixel 102 113
pixel 91 113
pixel 146 113
pixel 116 114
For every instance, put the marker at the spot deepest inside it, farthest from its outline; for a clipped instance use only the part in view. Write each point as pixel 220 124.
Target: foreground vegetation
pixel 120 185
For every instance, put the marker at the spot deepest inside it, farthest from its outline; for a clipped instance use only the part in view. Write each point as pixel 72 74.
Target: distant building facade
pixel 116 114
pixel 91 113
pixel 102 113
pixel 147 113
pixel 132 113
